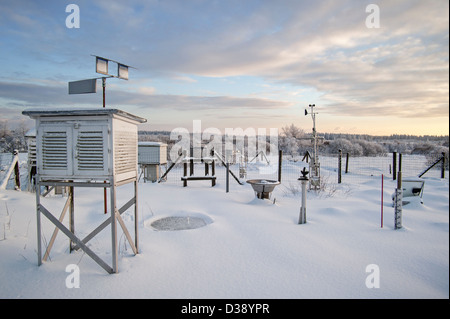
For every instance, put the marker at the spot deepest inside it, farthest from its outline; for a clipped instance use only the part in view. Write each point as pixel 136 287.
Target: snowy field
pixel 245 247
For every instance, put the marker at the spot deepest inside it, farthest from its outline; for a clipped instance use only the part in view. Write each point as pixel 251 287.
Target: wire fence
pixel 353 170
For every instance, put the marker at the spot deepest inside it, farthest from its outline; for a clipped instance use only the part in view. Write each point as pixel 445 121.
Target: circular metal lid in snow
pixel 172 223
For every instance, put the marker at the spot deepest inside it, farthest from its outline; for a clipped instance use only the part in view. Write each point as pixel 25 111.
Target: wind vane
pixel 101 66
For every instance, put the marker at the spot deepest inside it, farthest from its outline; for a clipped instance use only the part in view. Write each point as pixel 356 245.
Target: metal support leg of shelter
pixel 77 243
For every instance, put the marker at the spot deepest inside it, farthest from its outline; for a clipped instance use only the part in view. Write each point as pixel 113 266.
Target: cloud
pixel 27 94
pixel 183 78
pixel 33 95
pixel 398 70
pixel 393 71
pixel 146 90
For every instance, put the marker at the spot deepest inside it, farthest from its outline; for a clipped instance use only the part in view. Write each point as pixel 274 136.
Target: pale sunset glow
pixel 376 68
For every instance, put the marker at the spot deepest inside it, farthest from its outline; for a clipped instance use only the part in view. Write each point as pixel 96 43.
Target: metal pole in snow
pixel 228 177
pixel 16 171
pixel 104 89
pixel 398 202
pixel 382 188
pixel 304 181
pixel 302 217
pixel 105 196
pixel 340 167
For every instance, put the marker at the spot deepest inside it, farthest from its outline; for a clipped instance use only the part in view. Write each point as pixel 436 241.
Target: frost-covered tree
pixel 371 148
pixel 12 139
pixel 289 141
pixel 292 131
pixel 399 147
pixel 346 146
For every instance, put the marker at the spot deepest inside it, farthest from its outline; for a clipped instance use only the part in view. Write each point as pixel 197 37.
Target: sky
pixel 376 70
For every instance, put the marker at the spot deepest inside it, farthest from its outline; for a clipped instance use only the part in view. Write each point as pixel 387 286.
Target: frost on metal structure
pixel 86 148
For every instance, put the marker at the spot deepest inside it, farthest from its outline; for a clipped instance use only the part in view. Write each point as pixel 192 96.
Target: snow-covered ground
pixel 247 248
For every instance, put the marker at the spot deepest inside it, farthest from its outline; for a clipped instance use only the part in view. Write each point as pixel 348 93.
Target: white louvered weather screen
pixel 54 150
pixel 90 154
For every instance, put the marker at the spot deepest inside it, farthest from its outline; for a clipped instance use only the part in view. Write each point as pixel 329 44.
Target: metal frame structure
pixel 77 243
pixel 112 146
pixel 314 165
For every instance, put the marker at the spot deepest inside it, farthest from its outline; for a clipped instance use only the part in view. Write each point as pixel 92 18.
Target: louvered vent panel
pixel 32 153
pixel 125 151
pixel 54 151
pixel 90 150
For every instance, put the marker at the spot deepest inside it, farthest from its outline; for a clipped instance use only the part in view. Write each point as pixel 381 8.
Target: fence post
pixel 394 165
pixel 443 166
pixel 191 162
pixel 213 163
pixel 346 164
pixel 382 189
pixel 227 177
pixel 280 160
pixel 16 171
pixel 185 174
pixel 340 167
